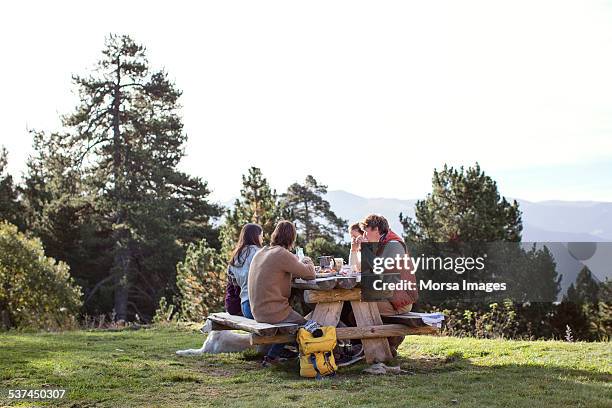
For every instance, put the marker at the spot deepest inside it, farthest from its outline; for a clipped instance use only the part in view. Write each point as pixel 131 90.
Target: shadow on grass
pixel 442 381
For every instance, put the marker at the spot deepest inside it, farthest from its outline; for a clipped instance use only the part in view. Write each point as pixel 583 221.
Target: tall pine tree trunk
pixel 307 224
pixel 121 263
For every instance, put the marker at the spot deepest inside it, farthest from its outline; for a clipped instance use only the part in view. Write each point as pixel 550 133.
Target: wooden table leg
pixel 366 314
pixel 328 313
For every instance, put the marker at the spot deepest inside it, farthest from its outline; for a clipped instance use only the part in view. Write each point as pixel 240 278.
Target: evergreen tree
pixel 585 289
pixel 57 208
pixel 541 279
pixel 571 295
pixel 10 207
pixel 465 206
pixel 258 203
pixel 62 213
pixel 602 321
pixel 586 307
pixel 466 211
pixel 305 205
pixel 123 143
pixel 321 246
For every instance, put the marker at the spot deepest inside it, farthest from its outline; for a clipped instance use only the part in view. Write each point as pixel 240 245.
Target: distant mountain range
pixel 555 222
pixel 558 221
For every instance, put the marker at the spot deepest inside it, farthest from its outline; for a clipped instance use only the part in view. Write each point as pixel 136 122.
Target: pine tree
pixel 305 205
pixel 586 307
pixel 466 211
pixel 258 203
pixel 541 275
pixel 126 139
pixel 63 214
pixel 57 208
pixel 464 205
pixel 585 289
pixel 10 207
pixel 321 246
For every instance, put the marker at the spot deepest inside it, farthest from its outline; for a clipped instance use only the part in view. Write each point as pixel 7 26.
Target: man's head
pixel 374 226
pixel 284 235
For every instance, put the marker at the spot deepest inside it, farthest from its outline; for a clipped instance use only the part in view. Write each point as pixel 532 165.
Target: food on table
pixel 347 271
pixel 325 272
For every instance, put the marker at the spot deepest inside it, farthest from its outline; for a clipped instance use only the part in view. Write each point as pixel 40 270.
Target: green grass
pixel 139 368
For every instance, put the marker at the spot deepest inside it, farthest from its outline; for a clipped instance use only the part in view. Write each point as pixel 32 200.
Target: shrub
pixel 35 291
pixel 505 320
pixel 165 312
pixel 587 322
pixel 201 281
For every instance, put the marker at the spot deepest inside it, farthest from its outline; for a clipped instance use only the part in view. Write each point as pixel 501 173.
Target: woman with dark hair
pixel 270 276
pixel 249 242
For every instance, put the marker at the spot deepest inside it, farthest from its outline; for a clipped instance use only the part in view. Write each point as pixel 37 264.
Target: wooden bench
pixel 346 333
pixel 226 321
pixel 264 333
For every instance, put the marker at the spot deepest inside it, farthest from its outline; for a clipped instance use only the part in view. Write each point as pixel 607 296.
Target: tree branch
pixel 97 287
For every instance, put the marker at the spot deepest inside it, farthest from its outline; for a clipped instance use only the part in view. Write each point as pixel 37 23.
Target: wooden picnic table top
pixel 329 283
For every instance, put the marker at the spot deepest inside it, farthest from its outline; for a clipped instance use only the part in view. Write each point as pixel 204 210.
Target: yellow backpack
pixel 316 353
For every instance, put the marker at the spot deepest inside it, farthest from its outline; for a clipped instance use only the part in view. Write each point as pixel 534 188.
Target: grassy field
pixel 139 368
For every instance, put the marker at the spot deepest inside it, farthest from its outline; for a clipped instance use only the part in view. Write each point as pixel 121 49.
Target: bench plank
pixel 346 333
pixel 242 323
pixel 412 321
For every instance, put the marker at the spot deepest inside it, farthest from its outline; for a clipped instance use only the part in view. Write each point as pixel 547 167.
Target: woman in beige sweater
pixel 269 283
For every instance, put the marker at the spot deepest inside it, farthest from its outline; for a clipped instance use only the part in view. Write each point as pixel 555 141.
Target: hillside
pixel 552 221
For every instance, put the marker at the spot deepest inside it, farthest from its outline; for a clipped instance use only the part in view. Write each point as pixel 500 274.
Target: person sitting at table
pixel 356 234
pixel 249 242
pixel 269 283
pixel 376 229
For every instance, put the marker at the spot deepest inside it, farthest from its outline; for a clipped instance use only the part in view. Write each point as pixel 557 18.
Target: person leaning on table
pixel 269 283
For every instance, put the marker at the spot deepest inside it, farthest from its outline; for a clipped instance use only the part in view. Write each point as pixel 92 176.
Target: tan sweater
pixel 270 282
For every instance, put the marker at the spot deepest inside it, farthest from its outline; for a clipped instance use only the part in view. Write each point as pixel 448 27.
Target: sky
pixel 345 90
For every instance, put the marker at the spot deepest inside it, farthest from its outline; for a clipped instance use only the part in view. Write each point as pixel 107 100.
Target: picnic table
pixel 328 295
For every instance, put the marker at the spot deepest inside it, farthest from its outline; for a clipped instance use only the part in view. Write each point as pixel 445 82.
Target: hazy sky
pixel 345 90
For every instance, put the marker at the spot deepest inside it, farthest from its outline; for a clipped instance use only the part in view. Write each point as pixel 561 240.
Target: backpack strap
pixel 313 361
pixel 327 355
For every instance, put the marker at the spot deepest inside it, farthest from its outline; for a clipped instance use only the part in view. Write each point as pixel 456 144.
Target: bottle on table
pixel 299 251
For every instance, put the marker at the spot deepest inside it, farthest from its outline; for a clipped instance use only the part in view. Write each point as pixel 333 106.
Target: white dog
pixel 224 341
